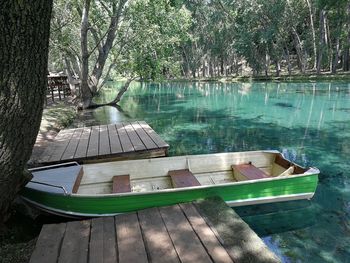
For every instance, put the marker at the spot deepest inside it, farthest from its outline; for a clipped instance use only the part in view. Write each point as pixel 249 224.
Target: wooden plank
pixel 216 251
pixel 154 136
pixel 109 241
pixel 47 247
pixel 102 241
pixel 72 145
pixel 157 240
pixel 183 178
pixel 83 143
pixel 104 147
pixel 242 243
pixel 134 138
pixel 78 180
pixel 114 140
pixel 185 240
pixel 96 241
pixel 146 140
pixel 47 153
pixel 224 161
pixel 249 171
pixel 124 138
pixel 121 184
pixel 75 244
pixel 129 238
pixel 60 143
pixel 93 142
pixel 286 164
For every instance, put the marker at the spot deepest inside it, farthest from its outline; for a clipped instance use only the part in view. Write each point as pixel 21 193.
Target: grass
pixel 57 117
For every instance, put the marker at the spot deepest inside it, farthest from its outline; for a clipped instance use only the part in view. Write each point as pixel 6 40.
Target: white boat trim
pixel 270 199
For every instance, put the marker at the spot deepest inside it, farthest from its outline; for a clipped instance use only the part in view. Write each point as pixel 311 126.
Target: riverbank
pixel 18 239
pixel 294 77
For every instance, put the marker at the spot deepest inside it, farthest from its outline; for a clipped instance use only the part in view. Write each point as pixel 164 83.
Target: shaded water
pixel 308 122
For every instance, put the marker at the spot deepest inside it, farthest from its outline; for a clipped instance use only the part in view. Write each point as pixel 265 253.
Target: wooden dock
pixel 205 231
pixel 131 140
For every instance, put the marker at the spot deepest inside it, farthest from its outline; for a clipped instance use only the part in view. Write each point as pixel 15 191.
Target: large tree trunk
pixel 104 50
pixel 86 94
pixel 117 98
pixel 24 39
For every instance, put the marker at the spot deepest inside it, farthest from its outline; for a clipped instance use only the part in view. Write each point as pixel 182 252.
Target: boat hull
pixel 235 194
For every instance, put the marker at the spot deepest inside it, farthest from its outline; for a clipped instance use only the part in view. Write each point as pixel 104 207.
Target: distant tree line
pixel 279 34
pixel 161 39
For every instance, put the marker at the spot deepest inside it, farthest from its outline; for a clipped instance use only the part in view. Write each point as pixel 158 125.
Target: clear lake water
pixel 308 122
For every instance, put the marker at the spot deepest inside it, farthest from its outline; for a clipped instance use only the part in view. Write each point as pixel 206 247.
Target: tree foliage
pixel 135 38
pixel 157 39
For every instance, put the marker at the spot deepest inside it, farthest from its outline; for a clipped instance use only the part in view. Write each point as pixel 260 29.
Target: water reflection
pixel 106 114
pixel 278 218
pixel 308 122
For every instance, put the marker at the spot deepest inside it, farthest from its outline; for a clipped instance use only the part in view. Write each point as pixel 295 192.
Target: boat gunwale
pixel 182 189
pixel 231 203
pixel 310 172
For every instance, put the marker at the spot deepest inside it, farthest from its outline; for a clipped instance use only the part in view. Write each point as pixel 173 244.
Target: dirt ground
pixel 55 117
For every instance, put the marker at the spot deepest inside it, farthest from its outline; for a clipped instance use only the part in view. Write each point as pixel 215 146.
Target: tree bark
pixel 313 34
pixel 73 83
pixel 186 63
pixel 299 48
pixel 278 67
pixel 289 66
pixel 346 52
pixel 323 39
pixel 335 56
pixel 267 64
pixel 107 46
pixel 86 94
pixel 24 40
pixel 117 98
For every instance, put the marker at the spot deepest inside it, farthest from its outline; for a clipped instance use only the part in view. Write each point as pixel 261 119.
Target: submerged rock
pixel 284 105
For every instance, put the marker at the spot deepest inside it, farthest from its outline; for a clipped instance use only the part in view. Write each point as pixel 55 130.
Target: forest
pixel 209 76
pixel 193 38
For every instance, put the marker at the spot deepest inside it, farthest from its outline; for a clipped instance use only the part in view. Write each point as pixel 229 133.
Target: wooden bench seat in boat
pixel 183 178
pixel 121 184
pixel 287 164
pixel 247 171
pixel 60 178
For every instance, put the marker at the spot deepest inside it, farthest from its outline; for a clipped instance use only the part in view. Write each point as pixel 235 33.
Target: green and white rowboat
pixel 104 189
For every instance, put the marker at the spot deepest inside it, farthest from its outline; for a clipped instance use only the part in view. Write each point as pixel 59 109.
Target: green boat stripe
pixel 112 204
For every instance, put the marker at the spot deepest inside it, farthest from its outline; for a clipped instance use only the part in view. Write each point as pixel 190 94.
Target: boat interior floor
pixel 94 180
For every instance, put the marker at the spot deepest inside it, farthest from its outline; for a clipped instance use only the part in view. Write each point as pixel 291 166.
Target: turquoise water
pixel 308 122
